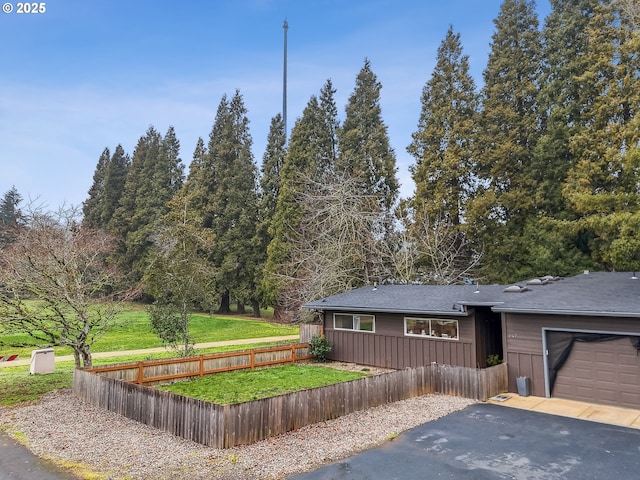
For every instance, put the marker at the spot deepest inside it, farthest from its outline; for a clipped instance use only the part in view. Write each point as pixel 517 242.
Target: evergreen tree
pixel 11 217
pixel 224 186
pixel 365 152
pixel 270 180
pixel 553 249
pixel 155 175
pixel 121 221
pixel 328 140
pixel 443 145
pixel 443 148
pixel 602 187
pixel 92 206
pixel 272 162
pixel 198 162
pixel 565 47
pixel 310 158
pixel 115 178
pixel 509 129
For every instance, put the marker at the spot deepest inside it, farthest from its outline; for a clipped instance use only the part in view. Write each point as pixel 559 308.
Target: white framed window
pixel 354 321
pixel 431 327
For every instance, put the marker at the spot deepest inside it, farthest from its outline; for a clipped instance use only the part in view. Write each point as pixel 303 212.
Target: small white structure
pixel 42 361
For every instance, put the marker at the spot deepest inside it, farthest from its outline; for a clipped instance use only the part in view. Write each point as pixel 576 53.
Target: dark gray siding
pixel 388 347
pixel 522 340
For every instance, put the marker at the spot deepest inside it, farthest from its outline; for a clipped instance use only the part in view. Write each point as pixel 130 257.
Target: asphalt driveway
pixel 488 441
pixel 18 463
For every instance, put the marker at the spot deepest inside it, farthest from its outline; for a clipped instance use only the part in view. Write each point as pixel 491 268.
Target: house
pixel 576 337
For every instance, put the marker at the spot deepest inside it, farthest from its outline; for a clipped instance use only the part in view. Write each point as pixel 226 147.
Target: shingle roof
pixel 431 299
pixel 595 293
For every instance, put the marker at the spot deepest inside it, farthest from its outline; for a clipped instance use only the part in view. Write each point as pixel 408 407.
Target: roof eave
pixel 586 313
pixel 342 308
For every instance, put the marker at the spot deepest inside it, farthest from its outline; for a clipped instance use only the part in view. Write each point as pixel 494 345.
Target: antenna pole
pixel 284 79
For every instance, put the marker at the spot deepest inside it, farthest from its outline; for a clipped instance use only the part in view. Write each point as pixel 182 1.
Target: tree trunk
pixel 255 304
pixel 240 308
pixel 82 356
pixel 225 303
pixel 281 315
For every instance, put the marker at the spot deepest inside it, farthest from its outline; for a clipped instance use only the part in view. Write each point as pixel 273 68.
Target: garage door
pixel 601 372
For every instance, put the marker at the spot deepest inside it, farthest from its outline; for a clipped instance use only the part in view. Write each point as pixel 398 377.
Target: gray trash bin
pixel 523 384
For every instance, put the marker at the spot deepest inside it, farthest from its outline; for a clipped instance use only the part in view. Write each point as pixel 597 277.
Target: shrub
pixel 319 347
pixel 493 360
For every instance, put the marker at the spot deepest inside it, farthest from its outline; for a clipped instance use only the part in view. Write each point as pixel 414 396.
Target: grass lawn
pixel 247 385
pixel 17 385
pixel 135 333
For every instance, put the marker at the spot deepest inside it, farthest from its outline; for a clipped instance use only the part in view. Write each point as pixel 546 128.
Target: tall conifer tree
pixel 11 217
pixel 311 157
pixel 602 186
pixel 92 206
pixel 226 190
pixel 509 130
pixel 365 151
pixel 155 175
pixel 270 180
pixel 565 47
pixel 443 148
pixel 114 181
pixel 443 145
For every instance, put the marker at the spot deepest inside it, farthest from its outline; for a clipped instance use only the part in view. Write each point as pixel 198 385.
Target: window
pixel 431 327
pixel 348 321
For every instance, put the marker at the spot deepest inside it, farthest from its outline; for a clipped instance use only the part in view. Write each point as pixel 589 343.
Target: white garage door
pixel 601 372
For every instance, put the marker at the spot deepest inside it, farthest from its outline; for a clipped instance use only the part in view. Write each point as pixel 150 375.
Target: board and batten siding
pixel 522 341
pixel 389 347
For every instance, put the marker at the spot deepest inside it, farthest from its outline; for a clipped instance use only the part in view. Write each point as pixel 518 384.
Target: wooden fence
pixel 224 426
pixel 308 330
pixel 160 371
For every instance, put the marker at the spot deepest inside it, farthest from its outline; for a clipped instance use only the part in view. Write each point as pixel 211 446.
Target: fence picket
pixel 224 426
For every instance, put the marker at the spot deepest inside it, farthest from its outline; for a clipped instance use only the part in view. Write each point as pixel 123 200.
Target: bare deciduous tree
pixel 438 250
pixel 339 244
pixel 57 285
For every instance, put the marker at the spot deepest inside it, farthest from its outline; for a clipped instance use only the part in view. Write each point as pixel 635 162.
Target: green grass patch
pixel 17 385
pixel 247 385
pixel 135 333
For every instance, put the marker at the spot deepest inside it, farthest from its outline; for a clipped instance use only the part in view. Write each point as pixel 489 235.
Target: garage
pixel 606 372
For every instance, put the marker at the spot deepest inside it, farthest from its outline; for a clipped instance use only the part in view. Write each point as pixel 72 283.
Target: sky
pixel 84 75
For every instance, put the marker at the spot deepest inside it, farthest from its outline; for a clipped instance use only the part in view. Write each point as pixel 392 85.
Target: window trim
pixel 430 329
pixel 354 322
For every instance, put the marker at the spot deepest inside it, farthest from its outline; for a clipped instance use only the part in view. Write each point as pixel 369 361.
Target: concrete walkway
pixel 69 358
pixel 625 417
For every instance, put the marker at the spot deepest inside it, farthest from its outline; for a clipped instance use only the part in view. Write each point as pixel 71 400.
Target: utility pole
pixel 284 79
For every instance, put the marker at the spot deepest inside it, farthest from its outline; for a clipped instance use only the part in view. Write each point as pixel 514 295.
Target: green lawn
pixel 17 385
pixel 135 333
pixel 247 385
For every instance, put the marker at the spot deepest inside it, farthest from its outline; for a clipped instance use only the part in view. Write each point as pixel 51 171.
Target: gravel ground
pixel 63 428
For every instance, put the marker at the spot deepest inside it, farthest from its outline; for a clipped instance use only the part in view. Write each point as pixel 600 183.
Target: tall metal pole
pixel 284 79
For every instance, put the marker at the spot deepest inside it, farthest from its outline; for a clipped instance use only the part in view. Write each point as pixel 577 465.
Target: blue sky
pixel 90 74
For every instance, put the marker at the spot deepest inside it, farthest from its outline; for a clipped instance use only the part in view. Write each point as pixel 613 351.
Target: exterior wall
pixel 522 341
pixel 388 347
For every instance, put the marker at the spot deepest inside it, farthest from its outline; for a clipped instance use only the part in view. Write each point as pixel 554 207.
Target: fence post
pixel 201 365
pixel 253 360
pixel 140 372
